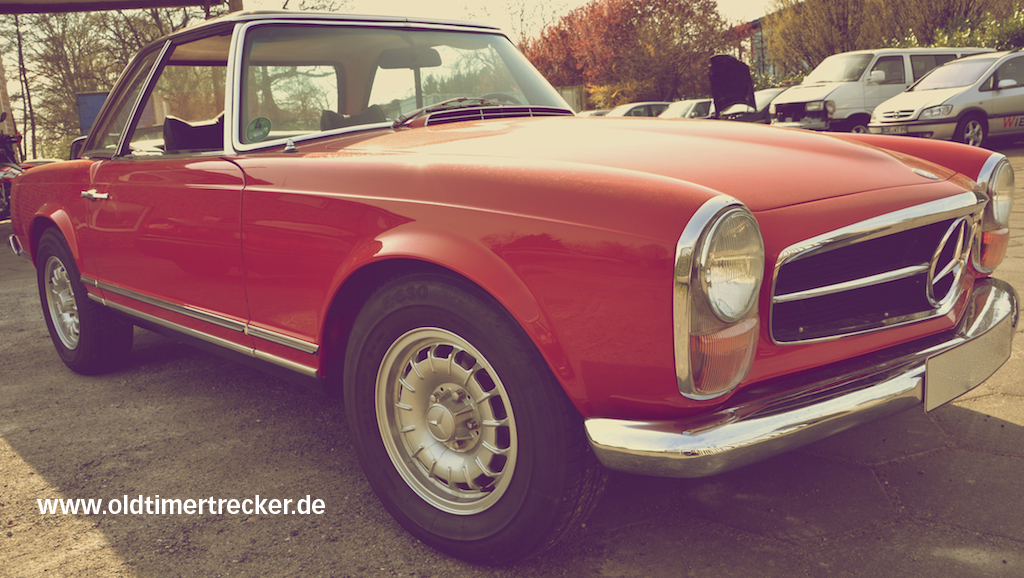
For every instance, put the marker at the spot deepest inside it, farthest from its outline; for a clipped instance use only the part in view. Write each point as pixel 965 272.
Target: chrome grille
pixel 491 112
pixel 897 114
pixel 891 270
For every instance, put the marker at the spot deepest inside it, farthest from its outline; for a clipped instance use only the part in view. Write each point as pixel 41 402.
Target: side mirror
pixel 76 147
pixel 1004 83
pixel 877 77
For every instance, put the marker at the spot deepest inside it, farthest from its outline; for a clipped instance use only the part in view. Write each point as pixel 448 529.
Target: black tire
pixel 971 130
pixel 437 372
pixel 89 338
pixel 5 200
pixel 856 124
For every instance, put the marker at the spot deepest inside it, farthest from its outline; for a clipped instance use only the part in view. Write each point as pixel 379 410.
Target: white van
pixel 842 91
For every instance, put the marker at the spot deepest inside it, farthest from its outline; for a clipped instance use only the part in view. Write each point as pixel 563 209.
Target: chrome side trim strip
pixel 835 398
pixel 287 341
pixel 855 284
pixel 220 342
pixel 185 310
pixel 213 319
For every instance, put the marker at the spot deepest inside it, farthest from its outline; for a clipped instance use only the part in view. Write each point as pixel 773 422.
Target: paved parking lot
pixel 918 494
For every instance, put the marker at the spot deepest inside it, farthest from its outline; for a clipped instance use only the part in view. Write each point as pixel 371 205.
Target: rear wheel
pixel 88 337
pixel 463 433
pixel 971 130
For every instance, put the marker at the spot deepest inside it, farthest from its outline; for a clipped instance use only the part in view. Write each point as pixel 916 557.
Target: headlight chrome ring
pixel 731 265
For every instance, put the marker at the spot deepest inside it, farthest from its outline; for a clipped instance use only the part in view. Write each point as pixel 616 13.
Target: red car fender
pixel 966 160
pixel 53 215
pixel 477 264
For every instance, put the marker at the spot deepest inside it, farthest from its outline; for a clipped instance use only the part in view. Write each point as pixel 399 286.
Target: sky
pixel 496 13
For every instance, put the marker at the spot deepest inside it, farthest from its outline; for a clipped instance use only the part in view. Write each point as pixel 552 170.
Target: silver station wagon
pixel 967 100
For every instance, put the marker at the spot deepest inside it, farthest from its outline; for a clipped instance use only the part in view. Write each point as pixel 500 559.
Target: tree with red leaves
pixel 626 50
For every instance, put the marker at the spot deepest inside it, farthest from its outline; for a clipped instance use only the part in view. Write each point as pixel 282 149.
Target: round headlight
pixel 1001 189
pixel 732 265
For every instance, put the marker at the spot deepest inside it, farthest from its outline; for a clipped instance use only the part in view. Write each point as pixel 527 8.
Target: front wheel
pixel 463 433
pixel 971 131
pixel 88 337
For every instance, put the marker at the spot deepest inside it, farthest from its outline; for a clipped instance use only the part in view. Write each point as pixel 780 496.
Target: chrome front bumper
pixel 760 424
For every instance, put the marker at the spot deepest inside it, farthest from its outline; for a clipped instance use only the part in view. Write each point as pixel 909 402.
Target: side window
pixel 109 134
pixel 183 112
pixel 1012 69
pixel 892 66
pixel 293 99
pixel 922 63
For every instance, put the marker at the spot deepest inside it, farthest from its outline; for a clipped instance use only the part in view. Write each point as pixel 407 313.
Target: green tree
pixel 801 33
pixel 632 49
pixel 67 54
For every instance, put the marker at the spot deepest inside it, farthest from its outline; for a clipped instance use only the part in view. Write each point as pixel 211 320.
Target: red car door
pixel 165 236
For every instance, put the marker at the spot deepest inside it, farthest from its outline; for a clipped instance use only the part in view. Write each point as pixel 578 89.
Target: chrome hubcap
pixel 973 133
pixel 446 421
pixel 61 303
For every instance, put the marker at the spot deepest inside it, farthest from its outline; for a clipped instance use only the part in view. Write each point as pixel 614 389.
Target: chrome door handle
pixel 94 195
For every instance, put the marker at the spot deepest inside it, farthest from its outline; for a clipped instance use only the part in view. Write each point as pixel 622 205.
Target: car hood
pixel 731 82
pixel 807 92
pixel 918 99
pixel 765 167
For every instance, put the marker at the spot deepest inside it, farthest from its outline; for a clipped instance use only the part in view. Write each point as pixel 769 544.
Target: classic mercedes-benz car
pixel 404 213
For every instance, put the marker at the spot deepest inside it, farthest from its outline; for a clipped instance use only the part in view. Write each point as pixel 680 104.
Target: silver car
pixel 696 108
pixel 967 100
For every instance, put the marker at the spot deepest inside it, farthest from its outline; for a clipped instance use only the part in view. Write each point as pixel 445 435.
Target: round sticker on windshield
pixel 257 130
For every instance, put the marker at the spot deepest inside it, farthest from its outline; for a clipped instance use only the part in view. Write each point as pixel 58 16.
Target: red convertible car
pixel 406 214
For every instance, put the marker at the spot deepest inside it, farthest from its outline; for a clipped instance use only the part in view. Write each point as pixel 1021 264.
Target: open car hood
pixel 731 83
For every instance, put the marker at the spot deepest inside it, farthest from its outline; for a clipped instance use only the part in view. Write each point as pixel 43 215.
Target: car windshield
pixel 677 109
pixel 764 97
pixel 301 79
pixel 839 68
pixel 955 74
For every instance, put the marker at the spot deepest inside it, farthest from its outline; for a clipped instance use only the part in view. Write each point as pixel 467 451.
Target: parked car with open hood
pixel 404 213
pixel 967 100
pixel 843 90
pixel 757 113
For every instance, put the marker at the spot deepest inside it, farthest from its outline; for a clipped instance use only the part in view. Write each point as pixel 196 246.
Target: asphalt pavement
pixel 937 494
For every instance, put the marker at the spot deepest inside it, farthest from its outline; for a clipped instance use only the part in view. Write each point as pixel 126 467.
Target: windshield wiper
pixel 451 103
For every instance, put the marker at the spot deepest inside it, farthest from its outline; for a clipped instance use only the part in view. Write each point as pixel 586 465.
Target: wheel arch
pixel 60 220
pixel 972 111
pixel 491 278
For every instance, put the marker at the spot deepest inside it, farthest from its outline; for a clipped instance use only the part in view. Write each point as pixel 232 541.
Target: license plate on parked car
pixel 894 130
